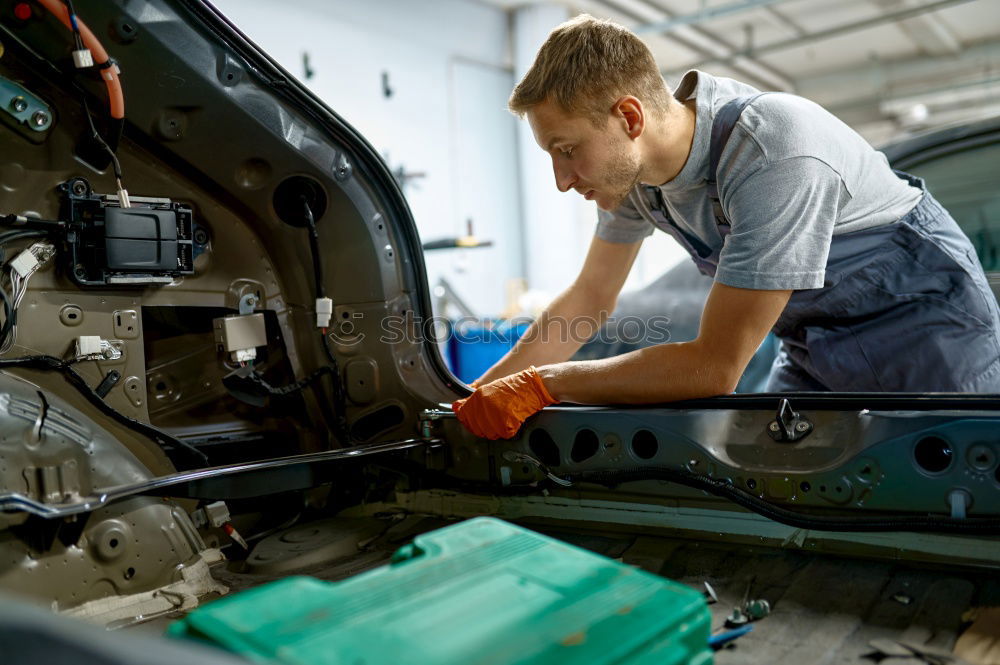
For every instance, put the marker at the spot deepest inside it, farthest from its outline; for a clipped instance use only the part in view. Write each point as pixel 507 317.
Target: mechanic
pixel 868 282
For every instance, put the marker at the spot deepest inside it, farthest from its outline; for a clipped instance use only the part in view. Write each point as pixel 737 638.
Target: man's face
pixel 602 164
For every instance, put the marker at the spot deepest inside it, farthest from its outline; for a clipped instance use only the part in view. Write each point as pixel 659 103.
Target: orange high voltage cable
pixel 109 72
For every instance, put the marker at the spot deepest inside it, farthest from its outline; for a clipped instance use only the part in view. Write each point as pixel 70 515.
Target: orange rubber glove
pixel 497 409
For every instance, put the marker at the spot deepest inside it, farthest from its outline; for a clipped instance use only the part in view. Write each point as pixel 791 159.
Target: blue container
pixel 474 348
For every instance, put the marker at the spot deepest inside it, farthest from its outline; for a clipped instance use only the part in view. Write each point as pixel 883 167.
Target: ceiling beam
pixel 926 33
pixel 706 45
pixel 787 22
pixel 702 15
pixel 837 31
pixel 881 79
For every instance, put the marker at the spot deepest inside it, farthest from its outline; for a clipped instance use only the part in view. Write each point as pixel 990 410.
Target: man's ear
pixel 630 114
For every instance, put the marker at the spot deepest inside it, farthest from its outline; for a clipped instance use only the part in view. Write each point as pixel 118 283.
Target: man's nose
pixel 564 177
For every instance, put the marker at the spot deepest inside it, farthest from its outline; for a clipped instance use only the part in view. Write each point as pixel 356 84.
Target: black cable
pixel 94 134
pixel 77 37
pixel 8 316
pixel 307 213
pixel 339 398
pixel 168 443
pixel 10 236
pixel 725 489
pixel 247 384
pixel 111 145
pixel 117 125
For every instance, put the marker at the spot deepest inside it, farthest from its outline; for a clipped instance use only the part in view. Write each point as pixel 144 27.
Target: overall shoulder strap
pixel 722 127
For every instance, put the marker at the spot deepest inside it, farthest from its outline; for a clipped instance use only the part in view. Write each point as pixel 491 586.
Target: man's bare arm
pixel 734 323
pixel 575 314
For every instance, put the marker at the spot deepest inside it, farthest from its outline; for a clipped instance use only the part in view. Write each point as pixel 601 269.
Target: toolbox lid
pixel 479 592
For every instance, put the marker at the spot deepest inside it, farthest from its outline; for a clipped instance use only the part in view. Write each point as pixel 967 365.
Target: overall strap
pixel 722 127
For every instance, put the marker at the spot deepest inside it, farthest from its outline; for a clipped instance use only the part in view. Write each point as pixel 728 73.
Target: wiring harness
pixel 725 489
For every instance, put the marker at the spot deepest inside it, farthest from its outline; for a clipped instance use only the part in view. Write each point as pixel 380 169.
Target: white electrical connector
pixel 83 58
pixel 88 345
pixel 243 355
pixel 214 515
pixel 24 263
pixel 92 347
pixel 22 267
pixel 28 261
pixel 123 200
pixel 324 310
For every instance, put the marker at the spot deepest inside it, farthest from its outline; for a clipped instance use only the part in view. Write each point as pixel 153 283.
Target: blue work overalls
pixel 904 307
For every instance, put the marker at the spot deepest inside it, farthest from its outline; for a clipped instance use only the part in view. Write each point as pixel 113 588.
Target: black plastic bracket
pixel 788 425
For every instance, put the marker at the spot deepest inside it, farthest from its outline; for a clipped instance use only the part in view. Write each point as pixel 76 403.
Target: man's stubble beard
pixel 622 176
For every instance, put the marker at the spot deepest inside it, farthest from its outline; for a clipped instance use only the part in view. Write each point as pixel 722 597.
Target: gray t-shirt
pixel 791 176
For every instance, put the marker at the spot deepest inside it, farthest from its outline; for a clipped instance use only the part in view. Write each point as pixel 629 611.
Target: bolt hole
pixel 644 444
pixel 805 487
pixel 345 315
pixel 129 573
pixel 933 454
pixel 71 315
pixel 542 444
pixel 751 483
pixel 113 543
pixel 839 489
pixel 822 488
pixel 161 385
pixel 585 445
pixel 865 471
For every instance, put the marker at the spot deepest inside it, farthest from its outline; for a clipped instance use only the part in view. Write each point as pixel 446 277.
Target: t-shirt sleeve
pixel 624 225
pixel 782 218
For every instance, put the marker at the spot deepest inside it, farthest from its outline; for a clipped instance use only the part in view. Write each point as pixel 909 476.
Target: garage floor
pixel 824 610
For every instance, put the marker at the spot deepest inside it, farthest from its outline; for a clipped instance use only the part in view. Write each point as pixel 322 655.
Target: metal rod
pixel 11 502
pixel 702 15
pixel 831 32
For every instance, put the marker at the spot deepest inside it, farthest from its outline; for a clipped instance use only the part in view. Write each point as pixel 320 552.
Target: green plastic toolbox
pixel 481 592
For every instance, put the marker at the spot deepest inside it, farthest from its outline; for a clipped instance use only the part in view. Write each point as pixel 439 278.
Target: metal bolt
pixel 40 118
pixel 19 104
pixel 774 427
pixel 79 188
pixel 801 427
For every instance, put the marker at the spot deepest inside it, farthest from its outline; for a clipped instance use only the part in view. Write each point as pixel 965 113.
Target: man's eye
pixel 568 152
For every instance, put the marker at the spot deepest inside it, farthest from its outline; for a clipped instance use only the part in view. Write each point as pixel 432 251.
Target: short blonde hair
pixel 587 64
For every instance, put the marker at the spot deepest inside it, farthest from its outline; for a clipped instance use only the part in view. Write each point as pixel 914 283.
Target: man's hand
pixel 497 409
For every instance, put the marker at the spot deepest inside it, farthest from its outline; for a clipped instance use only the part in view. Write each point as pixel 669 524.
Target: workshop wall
pixel 428 90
